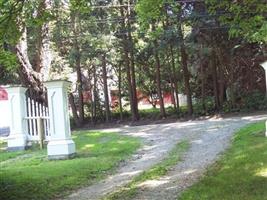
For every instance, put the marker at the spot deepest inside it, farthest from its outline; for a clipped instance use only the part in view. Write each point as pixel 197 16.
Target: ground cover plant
pixel 29 175
pixel 241 174
pixel 155 172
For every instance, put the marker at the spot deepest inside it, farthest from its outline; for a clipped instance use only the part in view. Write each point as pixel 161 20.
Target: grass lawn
pixel 160 169
pixel 29 175
pixel 7 155
pixel 241 174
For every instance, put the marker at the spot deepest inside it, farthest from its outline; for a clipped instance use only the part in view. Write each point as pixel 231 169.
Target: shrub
pixel 209 106
pixel 255 101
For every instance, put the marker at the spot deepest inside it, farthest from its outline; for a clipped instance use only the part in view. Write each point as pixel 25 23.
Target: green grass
pixel 161 169
pixel 30 175
pixel 7 155
pixel 241 174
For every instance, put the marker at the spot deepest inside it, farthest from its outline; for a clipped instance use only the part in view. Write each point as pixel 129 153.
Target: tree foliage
pixel 245 18
pixel 148 49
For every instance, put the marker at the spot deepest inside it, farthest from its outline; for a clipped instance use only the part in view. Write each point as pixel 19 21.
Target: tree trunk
pixel 186 80
pixel 120 96
pixel 221 87
pixel 132 64
pixel 203 94
pixel 129 66
pixel 185 72
pixel 43 56
pixel 105 83
pixel 74 110
pixel 28 76
pixel 158 80
pixel 32 76
pixel 133 81
pixel 174 77
pixel 221 82
pixel 231 85
pixel 171 81
pixel 215 81
pixel 75 21
pixel 80 88
pixel 94 95
pixel 173 96
pixel 175 81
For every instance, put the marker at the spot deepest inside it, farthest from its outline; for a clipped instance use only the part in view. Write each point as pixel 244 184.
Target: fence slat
pixel 47 121
pixel 43 115
pixel 29 115
pixel 35 111
pixel 36 115
pixel 34 120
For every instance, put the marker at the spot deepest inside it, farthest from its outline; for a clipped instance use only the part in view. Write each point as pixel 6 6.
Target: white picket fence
pixel 37 120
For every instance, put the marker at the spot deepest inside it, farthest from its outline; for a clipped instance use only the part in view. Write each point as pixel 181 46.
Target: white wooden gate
pixel 37 119
pixel 31 116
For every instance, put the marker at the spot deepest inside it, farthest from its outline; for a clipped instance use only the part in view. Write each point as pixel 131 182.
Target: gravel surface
pixel 208 139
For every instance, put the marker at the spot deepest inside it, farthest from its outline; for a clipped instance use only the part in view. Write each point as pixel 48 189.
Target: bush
pixel 116 114
pixel 152 113
pixel 209 105
pixel 255 101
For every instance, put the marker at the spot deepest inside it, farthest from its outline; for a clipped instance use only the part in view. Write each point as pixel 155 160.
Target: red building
pixel 143 100
pixel 3 94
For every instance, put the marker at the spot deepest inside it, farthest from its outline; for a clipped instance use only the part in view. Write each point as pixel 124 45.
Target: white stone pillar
pixel 264 65
pixel 60 145
pixel 17 139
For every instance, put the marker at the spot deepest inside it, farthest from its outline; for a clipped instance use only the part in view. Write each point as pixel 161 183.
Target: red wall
pixel 167 98
pixel 3 94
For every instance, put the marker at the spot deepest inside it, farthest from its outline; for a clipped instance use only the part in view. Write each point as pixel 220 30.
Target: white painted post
pixel 264 65
pixel 17 139
pixel 60 145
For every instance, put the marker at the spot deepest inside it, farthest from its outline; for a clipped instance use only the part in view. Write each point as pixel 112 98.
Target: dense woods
pixel 209 51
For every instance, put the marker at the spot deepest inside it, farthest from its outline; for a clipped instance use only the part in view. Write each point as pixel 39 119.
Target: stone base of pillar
pixel 60 149
pixel 16 142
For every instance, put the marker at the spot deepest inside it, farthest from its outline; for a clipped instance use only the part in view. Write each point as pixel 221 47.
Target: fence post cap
pixel 57 84
pixel 15 88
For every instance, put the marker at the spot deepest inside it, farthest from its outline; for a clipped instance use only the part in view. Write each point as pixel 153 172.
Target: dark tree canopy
pixel 129 51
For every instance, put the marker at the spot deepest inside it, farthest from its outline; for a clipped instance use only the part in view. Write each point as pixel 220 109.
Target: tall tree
pixel 105 83
pixel 128 51
pixel 16 20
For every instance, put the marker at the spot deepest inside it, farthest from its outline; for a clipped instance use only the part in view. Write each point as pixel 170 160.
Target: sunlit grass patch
pixel 262 172
pixel 241 174
pixel 30 175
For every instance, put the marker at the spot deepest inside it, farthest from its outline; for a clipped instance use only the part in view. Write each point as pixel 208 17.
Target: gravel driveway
pixel 208 139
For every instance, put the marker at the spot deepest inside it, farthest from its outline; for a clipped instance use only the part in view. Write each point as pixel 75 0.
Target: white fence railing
pixel 37 120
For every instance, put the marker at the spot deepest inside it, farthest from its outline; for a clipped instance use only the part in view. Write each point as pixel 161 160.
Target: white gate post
pixel 264 65
pixel 17 139
pixel 60 145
